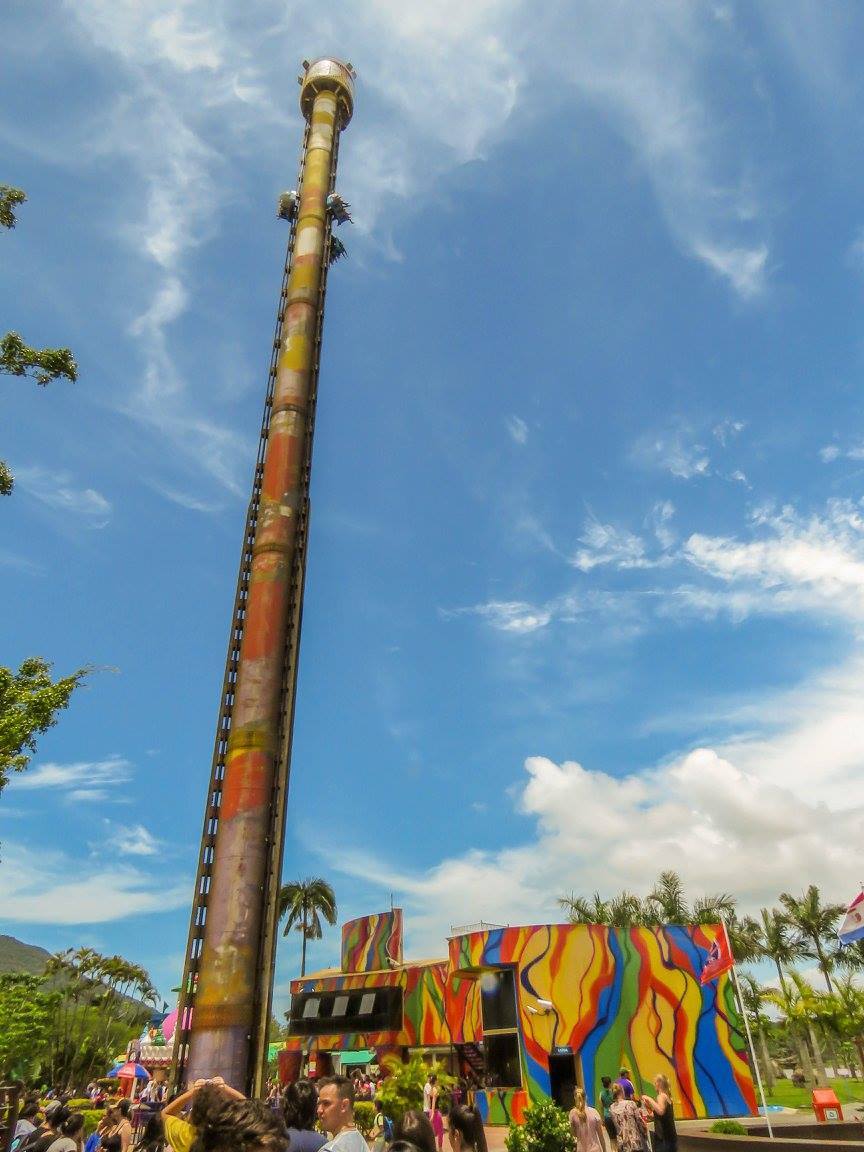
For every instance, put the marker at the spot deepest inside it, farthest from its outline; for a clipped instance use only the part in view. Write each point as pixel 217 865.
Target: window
pixel 502 1060
pixel 323 1013
pixel 499 1000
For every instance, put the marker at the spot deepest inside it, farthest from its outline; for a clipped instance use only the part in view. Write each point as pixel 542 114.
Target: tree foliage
pixel 17 358
pixel 303 903
pixel 42 365
pixel 26 1011
pixel 29 704
pixel 10 198
pixel 102 1001
pixel 546 1129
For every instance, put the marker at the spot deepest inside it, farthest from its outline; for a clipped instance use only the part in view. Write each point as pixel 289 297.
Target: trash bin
pixel 826 1105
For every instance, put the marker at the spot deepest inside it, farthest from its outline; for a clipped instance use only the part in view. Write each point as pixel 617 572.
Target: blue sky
pixel 586 584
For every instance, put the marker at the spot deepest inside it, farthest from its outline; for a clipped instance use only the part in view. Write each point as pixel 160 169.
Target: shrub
pixel 364 1116
pixel 729 1128
pixel 92 1116
pixel 402 1087
pixel 546 1129
pixel 79 1104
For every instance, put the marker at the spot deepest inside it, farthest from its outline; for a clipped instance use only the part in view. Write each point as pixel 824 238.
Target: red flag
pixel 719 958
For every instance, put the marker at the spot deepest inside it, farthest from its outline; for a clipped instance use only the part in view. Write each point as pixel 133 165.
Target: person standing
pixel 630 1129
pixel 336 1115
pixel 431 1093
pixel 626 1084
pixel 605 1106
pixel 586 1125
pixel 665 1132
pixel 299 1104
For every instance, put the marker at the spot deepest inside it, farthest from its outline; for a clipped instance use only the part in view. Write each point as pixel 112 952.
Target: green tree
pixel 26 1010
pixel 17 358
pixel 29 705
pixel 814 923
pixel 777 944
pixel 10 198
pixel 303 903
pixel 102 1000
pixel 794 1001
pixel 546 1129
pixel 751 996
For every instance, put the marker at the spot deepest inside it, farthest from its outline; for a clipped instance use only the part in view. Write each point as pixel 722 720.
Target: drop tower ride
pixel 227 979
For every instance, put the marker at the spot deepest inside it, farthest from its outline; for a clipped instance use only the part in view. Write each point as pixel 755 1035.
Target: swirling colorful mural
pixel 611 997
pixel 373 942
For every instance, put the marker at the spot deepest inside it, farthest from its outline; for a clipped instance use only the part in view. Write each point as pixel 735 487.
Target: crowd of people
pixel 318 1116
pixel 212 1116
pixel 625 1118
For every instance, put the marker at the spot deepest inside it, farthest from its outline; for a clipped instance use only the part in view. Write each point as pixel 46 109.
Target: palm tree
pixel 666 899
pixel 789 999
pixel 813 921
pixel 776 942
pixel 745 938
pixel 751 1003
pixel 582 911
pixel 304 902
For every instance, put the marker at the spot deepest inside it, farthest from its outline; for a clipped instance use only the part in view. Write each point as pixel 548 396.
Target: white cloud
pixel 56 490
pixel 793 563
pixel 726 430
pixel 82 780
pixel 513 616
pixel 518 429
pixel 605 544
pixel 134 840
pixel 594 831
pixel 49 887
pixel 675 450
pixel 829 453
pixel 744 268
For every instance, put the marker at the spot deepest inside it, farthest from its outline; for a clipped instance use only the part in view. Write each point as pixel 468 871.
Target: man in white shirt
pixel 336 1114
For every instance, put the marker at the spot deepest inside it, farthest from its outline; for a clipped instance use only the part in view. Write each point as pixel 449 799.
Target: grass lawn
pixel 785 1093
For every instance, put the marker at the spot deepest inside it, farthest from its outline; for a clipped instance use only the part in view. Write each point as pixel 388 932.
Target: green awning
pixel 362 1056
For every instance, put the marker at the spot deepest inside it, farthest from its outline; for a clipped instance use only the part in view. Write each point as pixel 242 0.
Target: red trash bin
pixel 826 1105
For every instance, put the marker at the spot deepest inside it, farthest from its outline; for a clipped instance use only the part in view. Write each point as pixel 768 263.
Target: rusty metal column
pixel 228 988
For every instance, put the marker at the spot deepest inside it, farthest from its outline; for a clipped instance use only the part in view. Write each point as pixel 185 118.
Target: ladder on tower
pixel 206 859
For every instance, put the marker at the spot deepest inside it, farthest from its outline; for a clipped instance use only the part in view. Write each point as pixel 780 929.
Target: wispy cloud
pixel 82 781
pixel 51 887
pixel 518 429
pixel 134 840
pixel 606 544
pixel 677 450
pixel 57 490
pixel 515 616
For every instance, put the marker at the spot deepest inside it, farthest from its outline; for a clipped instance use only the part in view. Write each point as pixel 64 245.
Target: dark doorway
pixel 562 1078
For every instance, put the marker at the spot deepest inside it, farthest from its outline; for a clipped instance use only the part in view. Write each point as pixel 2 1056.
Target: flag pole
pixel 741 1009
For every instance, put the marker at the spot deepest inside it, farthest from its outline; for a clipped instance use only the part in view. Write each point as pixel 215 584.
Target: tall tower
pixel 227 980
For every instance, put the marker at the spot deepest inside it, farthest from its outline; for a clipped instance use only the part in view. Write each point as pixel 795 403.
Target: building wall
pixel 619 997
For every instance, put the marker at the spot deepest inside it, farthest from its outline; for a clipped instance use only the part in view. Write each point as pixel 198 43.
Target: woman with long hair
pixel 586 1124
pixel 630 1129
pixel 71 1136
pixel 665 1133
pixel 299 1105
pixel 415 1128
pixel 466 1129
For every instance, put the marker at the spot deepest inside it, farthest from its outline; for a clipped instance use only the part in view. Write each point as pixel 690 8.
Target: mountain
pixel 16 956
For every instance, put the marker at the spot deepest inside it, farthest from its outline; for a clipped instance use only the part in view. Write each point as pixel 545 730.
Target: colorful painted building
pixel 531 1012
